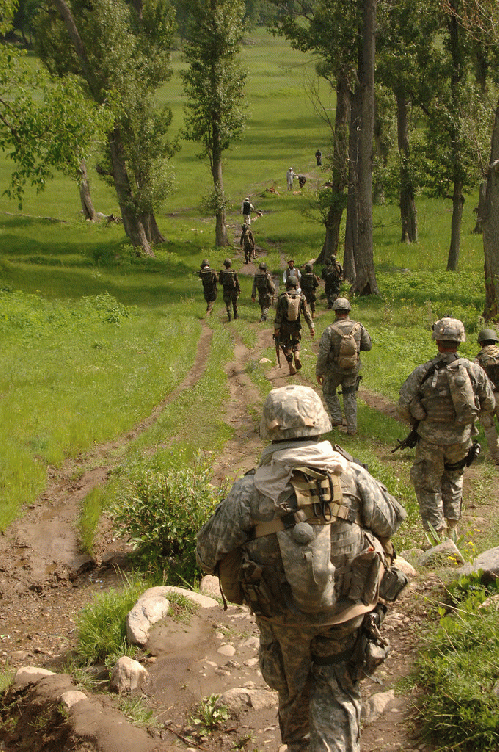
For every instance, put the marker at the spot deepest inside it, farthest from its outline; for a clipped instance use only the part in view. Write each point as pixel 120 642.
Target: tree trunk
pixel 87 206
pixel 365 278
pixel 133 224
pixel 480 210
pixel 457 216
pixel 153 233
pixel 490 224
pixel 351 230
pixel 340 168
pixel 221 239
pixel 408 214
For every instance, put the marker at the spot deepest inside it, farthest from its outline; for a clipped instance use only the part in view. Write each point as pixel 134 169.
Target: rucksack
pixel 490 364
pixel 262 282
pixel 246 207
pixel 348 355
pixel 229 280
pixel 292 306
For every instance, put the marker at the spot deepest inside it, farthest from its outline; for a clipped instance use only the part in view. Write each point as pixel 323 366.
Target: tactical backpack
pixel 348 356
pixel 246 207
pixel 292 306
pixel 262 283
pixel 229 280
pixel 490 364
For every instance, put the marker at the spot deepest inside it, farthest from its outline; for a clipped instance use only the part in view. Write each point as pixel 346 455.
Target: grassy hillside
pixel 93 337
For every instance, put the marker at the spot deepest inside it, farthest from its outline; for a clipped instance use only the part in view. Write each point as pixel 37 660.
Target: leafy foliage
pixel 457 670
pixel 161 511
pixel 209 715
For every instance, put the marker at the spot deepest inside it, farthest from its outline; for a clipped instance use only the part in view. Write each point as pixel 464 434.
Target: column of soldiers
pixel 310 529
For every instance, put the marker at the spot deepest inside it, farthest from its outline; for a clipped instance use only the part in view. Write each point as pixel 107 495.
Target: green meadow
pixel 94 337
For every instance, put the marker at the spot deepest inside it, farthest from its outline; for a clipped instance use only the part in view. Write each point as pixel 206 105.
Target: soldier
pixel 247 242
pixel 441 399
pixel 209 280
pixel 338 364
pixel 230 284
pixel 310 570
pixel 332 274
pixel 287 327
pixel 263 282
pixel 309 283
pixel 488 358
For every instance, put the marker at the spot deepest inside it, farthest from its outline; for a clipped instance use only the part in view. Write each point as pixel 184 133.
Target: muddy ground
pixel 44 582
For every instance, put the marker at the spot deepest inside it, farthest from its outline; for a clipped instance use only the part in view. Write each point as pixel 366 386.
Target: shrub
pixel 458 672
pixel 161 513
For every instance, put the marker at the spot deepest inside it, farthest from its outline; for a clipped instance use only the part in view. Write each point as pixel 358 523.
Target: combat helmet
pixel 487 335
pixel 341 304
pixel 262 265
pixel 227 263
pixel 309 268
pixel 449 330
pixel 204 263
pixel 292 281
pixel 293 411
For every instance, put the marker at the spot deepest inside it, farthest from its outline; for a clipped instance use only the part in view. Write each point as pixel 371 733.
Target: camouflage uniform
pixel 247 242
pixel 209 280
pixel 488 359
pixel 427 401
pixel 333 376
pixel 230 284
pixel 332 274
pixel 309 283
pixel 309 635
pixel 262 282
pixel 289 332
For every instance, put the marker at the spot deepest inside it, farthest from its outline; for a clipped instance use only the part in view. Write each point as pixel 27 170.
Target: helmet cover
pixel 293 411
pixel 451 330
pixel 341 304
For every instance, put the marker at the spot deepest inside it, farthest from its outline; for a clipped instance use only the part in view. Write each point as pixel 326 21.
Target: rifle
pixel 277 349
pixel 410 440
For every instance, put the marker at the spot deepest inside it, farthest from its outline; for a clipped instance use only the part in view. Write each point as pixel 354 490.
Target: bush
pixel 458 672
pixel 161 512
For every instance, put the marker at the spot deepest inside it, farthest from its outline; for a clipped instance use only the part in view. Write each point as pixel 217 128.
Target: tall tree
pixel 214 84
pixel 121 52
pixel 44 125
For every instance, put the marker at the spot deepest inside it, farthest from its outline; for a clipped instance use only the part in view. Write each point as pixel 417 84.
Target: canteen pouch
pixel 392 584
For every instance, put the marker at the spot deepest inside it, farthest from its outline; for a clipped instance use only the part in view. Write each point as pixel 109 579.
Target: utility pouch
pixel 229 574
pixel 371 649
pixel 392 584
pixel 462 394
pixel 365 572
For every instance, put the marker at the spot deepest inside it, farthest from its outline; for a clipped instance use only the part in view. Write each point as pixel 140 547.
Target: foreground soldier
pixel 291 305
pixel 442 399
pixel 309 283
pixel 230 283
pixel 338 364
pixel 209 280
pixel 488 358
pixel 262 281
pixel 309 524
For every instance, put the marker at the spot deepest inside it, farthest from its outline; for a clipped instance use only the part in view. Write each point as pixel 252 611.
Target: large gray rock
pixel 238 698
pixel 405 567
pixel 446 554
pixel 128 676
pixel 375 706
pixel 488 561
pixel 151 607
pixel 203 601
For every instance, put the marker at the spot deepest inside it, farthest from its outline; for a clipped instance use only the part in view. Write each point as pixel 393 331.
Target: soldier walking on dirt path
pixel 263 282
pixel 488 358
pixel 338 364
pixel 442 399
pixel 304 541
pixel 309 283
pixel 247 243
pixel 332 274
pixel 209 280
pixel 230 284
pixel 291 305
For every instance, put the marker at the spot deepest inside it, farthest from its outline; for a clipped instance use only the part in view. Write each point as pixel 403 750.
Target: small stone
pixel 227 649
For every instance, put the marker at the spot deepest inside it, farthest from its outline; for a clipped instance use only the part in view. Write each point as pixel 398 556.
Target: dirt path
pixel 44 581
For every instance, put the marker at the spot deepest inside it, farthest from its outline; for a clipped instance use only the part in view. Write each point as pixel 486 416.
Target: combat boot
pixel 292 369
pixel 228 315
pixel 297 363
pixel 451 529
